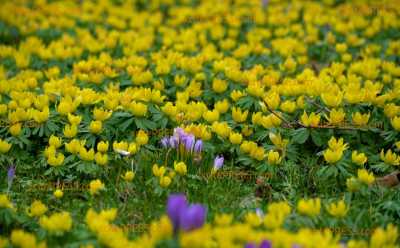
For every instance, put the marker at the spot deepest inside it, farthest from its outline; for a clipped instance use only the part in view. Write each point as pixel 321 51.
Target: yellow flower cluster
pixel 57 222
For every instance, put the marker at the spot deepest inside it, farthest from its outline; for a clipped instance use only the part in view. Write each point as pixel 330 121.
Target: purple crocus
pixel 250 245
pixel 184 216
pixel 179 132
pixel 176 205
pixel 218 162
pixel 193 217
pixel 188 141
pixel 198 146
pixel 165 142
pixel 173 141
pixel 266 244
pixel 10 176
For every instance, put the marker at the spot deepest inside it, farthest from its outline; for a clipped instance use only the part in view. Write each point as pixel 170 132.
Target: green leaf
pixel 300 135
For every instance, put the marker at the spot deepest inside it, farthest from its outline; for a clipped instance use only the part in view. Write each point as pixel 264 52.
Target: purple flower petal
pixel 188 140
pixel 218 162
pixel 193 217
pixel 266 244
pixel 176 205
pixel 165 142
pixel 198 146
pixel 250 245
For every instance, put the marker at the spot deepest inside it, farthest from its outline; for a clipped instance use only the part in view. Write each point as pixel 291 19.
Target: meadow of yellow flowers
pixel 199 123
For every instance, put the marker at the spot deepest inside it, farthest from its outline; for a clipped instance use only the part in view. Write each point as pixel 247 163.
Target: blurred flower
pixel 193 217
pixel 58 193
pixel 184 216
pixel 338 209
pixel 188 140
pixel 310 207
pixel 10 176
pixel 37 209
pixel 164 142
pixel 218 162
pixel 128 176
pixel 165 181
pixel 4 146
pixel 198 146
pixel 95 186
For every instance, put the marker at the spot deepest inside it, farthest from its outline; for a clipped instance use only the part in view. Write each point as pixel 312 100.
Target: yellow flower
pixel 289 64
pixel 273 157
pixel 55 141
pixel 100 158
pixel 336 116
pixel 57 223
pixel 102 146
pixel 222 106
pixel 158 171
pixel 70 131
pixel 223 219
pixel 20 238
pixel 365 177
pixel 74 119
pixel 55 159
pixel 5 202
pixel 309 207
pixel 288 106
pixel 390 157
pixel 358 158
pixel 58 193
pixel 95 186
pixel 221 128
pixel 37 209
pixel 360 119
pixel 4 146
pixel 253 219
pixel 86 155
pixel 132 148
pixel 101 114
pixel 165 181
pixel 384 238
pixel 219 85
pixel 336 145
pixel 142 138
pixel 272 100
pixel 235 138
pixel 74 146
pixel 338 210
pixel 211 116
pixel 395 121
pixel 397 144
pixel 277 140
pixel 332 156
pixel 311 120
pixel 236 95
pixel 129 176
pixel 332 99
pixel 180 168
pixel 15 129
pixel 238 115
pixel 277 212
pixel 247 131
pixel 3 242
pixel 95 127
